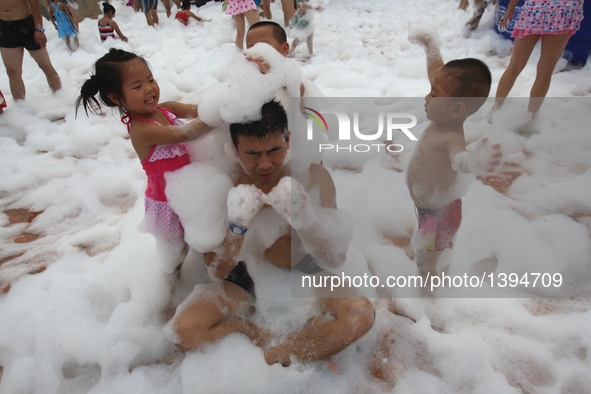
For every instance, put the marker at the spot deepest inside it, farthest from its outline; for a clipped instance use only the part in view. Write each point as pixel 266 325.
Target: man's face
pixel 263 159
pixel 265 34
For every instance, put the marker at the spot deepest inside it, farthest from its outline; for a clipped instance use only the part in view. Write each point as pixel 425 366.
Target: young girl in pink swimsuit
pixel 124 80
pixel 554 21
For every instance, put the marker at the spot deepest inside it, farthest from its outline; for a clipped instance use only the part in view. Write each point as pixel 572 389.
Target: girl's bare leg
pixel 266 6
pixel 288 11
pixel 240 28
pixel 552 49
pixel 522 50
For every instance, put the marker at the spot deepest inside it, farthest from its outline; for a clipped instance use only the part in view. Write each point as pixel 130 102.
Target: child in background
pixel 2 103
pixel 551 21
pixel 124 80
pixel 185 12
pixel 65 24
pixel 242 11
pixel 458 89
pixel 73 9
pixel 107 26
pixel 302 24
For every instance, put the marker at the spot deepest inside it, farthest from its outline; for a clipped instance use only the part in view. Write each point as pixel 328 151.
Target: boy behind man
pixel 458 89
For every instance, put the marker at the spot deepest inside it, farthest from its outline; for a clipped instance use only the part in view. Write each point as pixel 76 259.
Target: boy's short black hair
pixel 278 31
pixel 273 120
pixel 472 78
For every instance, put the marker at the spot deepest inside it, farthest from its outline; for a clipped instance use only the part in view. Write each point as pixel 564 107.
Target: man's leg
pixel 266 5
pixel 218 311
pixel 344 320
pixel 13 62
pixel 41 56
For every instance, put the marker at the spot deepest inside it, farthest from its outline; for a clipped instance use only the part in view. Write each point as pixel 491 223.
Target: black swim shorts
pixel 16 34
pixel 239 275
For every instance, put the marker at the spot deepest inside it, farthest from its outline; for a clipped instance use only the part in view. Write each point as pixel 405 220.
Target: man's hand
pixel 40 38
pixel 244 203
pixel 290 200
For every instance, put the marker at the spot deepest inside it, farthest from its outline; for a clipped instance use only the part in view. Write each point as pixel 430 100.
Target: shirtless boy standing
pixel 21 27
pixel 458 89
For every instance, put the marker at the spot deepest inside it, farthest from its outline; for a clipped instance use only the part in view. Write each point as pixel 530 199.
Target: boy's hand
pixel 423 34
pixel 495 154
pixel 264 67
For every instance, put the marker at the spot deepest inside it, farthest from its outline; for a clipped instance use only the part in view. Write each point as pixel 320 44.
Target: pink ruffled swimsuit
pixel 160 219
pixel 540 17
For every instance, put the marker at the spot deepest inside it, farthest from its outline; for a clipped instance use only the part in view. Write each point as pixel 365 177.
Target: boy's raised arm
pixel 426 36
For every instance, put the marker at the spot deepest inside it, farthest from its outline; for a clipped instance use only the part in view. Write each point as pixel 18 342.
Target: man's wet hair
pixel 278 31
pixel 472 78
pixel 273 121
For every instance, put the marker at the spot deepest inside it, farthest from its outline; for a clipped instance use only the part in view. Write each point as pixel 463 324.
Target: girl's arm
pixel 185 111
pixel 144 134
pixel 115 27
pixel 195 16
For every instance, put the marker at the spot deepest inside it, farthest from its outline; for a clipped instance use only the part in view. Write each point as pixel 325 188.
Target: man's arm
pixel 321 227
pixel 40 37
pixel 244 202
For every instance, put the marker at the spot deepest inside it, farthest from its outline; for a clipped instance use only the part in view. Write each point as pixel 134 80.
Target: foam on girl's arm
pixel 181 110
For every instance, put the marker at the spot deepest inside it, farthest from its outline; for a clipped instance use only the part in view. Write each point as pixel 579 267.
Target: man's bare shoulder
pixel 12 10
pixel 321 178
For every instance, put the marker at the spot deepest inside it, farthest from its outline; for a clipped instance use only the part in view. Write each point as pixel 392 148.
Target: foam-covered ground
pixel 93 320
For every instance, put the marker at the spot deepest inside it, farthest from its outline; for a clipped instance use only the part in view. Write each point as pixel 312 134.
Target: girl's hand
pixel 508 17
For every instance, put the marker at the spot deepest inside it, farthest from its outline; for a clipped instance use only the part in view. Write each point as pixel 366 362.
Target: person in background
pixel 150 8
pixel 65 24
pixel 185 13
pixel 551 21
pixel 2 103
pixel 107 26
pixel 168 7
pixel 73 9
pixel 242 10
pixel 21 27
pixel 302 26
